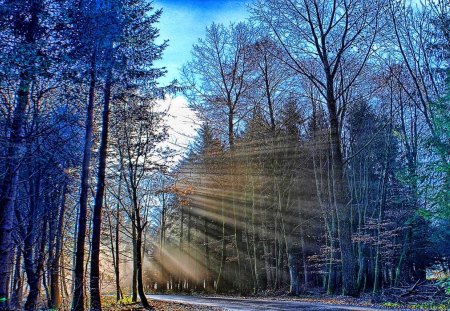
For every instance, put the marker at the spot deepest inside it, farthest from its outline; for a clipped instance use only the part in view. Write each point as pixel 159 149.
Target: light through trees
pixel 321 163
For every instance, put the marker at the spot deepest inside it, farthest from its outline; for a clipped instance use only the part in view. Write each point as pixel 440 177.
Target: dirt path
pixel 241 304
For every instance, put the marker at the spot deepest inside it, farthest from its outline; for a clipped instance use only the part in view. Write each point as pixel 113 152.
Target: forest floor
pixel 258 303
pixel 160 305
pixel 420 296
pixel 222 303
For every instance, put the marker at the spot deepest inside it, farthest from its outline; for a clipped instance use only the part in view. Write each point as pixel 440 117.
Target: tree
pixel 26 25
pixel 218 76
pixel 322 40
pixel 138 135
pixel 86 18
pixel 109 13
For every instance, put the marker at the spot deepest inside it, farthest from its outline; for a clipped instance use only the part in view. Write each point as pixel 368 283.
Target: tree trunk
pixel 231 126
pixel 207 257
pixel 255 238
pixel 161 240
pixel 340 200
pixel 180 273
pixel 266 254
pixel 34 272
pixel 9 183
pixel 98 205
pixel 117 240
pixel 17 297
pixel 119 294
pixel 304 261
pixel 78 294
pixel 189 250
pixel 377 274
pixel 293 272
pixel 134 239
pixel 238 242
pixel 140 285
pixel 332 232
pixel 220 276
pixel 55 295
pixel 8 189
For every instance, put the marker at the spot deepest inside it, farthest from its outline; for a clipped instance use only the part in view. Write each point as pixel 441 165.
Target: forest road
pixel 240 304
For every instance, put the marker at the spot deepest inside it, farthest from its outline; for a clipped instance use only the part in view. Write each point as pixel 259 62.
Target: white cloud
pixel 182 121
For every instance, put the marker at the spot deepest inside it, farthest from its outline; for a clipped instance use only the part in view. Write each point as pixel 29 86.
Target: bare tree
pixel 322 39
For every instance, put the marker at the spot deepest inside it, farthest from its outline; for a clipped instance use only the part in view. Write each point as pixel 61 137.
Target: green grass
pixel 431 306
pixel 419 306
pixel 110 301
pixel 391 305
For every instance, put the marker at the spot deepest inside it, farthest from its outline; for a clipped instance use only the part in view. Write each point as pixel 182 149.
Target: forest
pixel 321 165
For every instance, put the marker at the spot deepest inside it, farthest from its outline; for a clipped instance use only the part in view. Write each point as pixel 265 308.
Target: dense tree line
pixel 78 108
pixel 323 157
pixel 322 161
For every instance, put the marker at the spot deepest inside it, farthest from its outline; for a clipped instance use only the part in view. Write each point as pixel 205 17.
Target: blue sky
pixel 184 21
